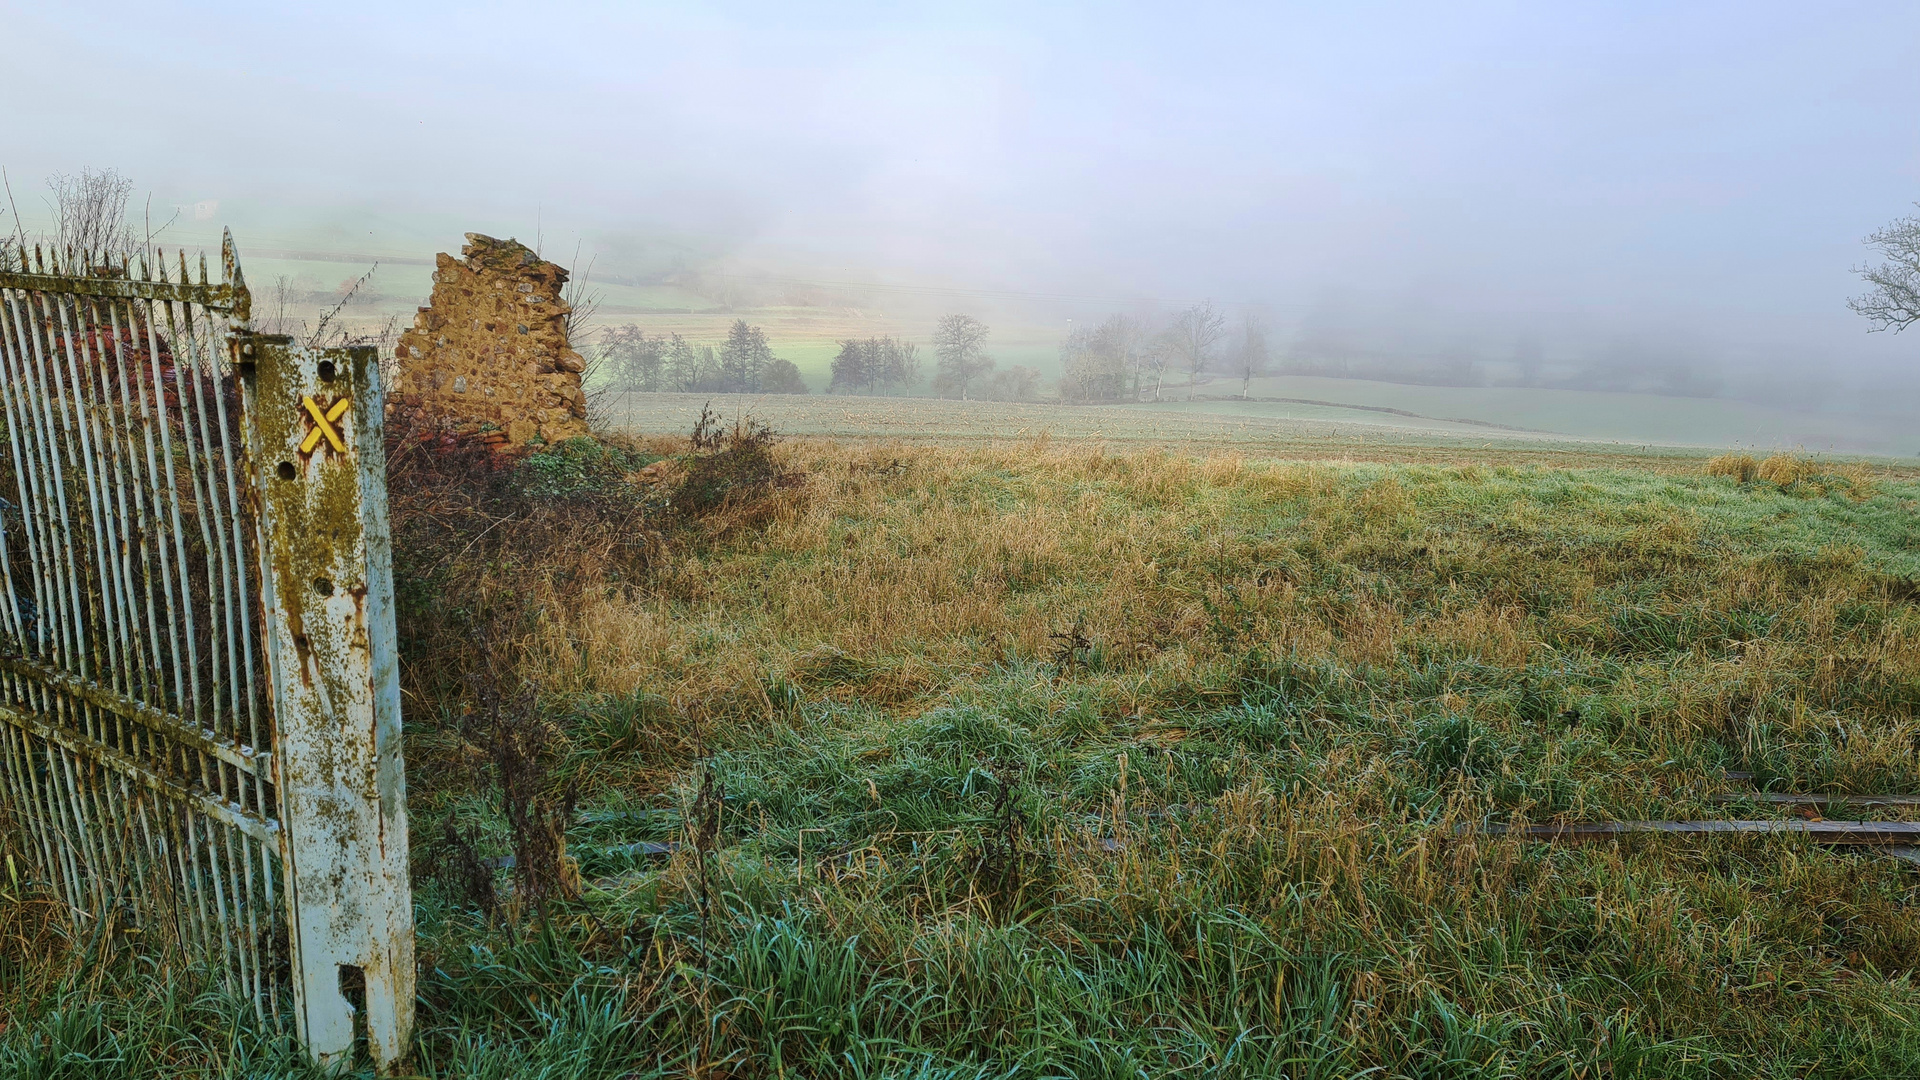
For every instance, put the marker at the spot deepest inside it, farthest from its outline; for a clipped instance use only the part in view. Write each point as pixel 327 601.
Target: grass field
pixel 1583 414
pixel 1273 429
pixel 1039 757
pixel 923 418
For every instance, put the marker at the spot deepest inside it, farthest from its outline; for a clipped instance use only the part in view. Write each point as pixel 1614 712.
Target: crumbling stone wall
pixel 490 352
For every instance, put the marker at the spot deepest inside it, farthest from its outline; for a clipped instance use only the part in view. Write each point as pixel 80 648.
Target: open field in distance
pixel 1583 414
pixel 1251 428
pixel 806 326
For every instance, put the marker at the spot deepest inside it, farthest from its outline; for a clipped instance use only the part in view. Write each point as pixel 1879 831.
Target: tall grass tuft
pixel 1785 470
pixel 1740 467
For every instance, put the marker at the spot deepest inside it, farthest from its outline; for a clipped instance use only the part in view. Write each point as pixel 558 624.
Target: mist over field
pixel 1621 199
pixel 767 541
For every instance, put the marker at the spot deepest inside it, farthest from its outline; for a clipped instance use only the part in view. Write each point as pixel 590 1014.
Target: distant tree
pixel 852 369
pixel 1017 383
pixel 960 361
pixel 782 377
pixel 875 366
pixel 1155 355
pixel 1894 302
pixel 1095 364
pixel 633 360
pixel 685 367
pixel 1250 359
pixel 899 364
pixel 744 358
pixel 1191 339
pixel 1127 340
pixel 1079 366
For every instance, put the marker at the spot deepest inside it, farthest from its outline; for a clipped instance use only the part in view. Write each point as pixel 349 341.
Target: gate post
pixel 314 420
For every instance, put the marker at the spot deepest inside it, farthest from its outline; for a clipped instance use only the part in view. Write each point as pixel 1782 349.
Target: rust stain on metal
pixel 325 550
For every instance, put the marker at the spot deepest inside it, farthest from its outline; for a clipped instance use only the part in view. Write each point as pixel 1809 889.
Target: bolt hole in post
pixel 323 586
pixel 327 371
pixel 353 987
pixel 287 471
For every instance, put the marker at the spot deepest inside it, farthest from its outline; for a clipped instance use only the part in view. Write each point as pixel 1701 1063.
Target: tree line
pixel 1126 357
pixel 962 368
pixel 743 364
pixel 632 359
pixel 1123 358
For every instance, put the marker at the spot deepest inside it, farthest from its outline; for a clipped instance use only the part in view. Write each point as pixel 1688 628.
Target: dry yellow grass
pixel 904 569
pixel 1785 469
pixel 1740 467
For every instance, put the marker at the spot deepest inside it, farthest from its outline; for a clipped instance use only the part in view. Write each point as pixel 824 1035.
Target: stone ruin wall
pixel 490 352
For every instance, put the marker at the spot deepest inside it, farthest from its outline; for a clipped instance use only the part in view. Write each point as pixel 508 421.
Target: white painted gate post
pixel 315 434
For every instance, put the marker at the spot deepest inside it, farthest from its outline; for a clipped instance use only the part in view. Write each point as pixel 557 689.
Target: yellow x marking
pixel 323 425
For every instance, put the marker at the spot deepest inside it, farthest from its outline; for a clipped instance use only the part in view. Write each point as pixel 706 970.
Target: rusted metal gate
pixel 199 713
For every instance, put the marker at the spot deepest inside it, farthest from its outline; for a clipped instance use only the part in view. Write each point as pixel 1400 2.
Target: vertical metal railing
pixel 137 736
pixel 200 733
pixel 136 742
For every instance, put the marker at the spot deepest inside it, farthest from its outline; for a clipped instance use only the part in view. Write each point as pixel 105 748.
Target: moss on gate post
pixel 315 440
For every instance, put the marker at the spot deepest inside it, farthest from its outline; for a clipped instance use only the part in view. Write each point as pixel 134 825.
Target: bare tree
pixel 633 360
pixel 1250 358
pixel 1191 339
pixel 91 213
pixel 901 366
pixel 960 361
pixel 1084 369
pixel 279 307
pixel 1894 302
pixel 1126 338
pixel 1155 355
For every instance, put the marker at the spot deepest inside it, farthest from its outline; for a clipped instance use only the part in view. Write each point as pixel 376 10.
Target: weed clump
pixel 1741 467
pixel 487 545
pixel 520 746
pixel 1785 470
pixel 484 543
pixel 727 466
pixel 1802 476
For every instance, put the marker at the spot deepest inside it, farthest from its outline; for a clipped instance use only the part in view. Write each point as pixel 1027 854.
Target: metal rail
pixel 188 741
pixel 134 721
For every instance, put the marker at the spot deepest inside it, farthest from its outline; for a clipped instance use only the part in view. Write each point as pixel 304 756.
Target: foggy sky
pixel 1699 172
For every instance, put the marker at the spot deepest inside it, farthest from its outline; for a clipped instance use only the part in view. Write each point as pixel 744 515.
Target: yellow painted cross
pixel 323 425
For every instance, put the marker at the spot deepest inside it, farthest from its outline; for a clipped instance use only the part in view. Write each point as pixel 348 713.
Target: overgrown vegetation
pixel 1037 760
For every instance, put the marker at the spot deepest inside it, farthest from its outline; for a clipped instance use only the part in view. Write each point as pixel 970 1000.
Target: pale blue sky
pixel 1704 170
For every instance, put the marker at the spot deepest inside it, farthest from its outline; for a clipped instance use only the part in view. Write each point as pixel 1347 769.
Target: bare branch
pixel 91 213
pixel 1894 302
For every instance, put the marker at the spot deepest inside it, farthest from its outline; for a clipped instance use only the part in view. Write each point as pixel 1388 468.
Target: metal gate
pixel 199 709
